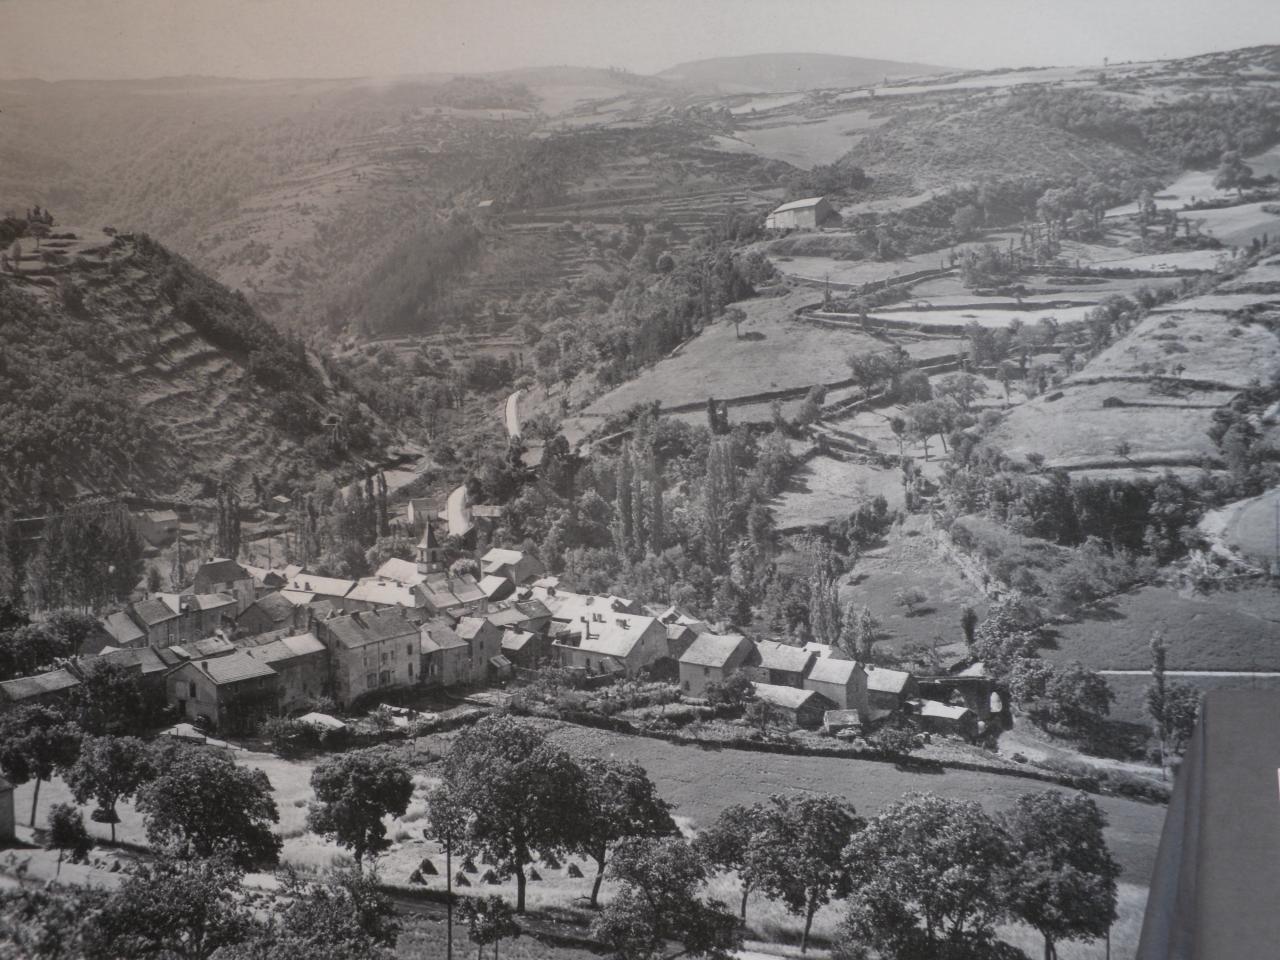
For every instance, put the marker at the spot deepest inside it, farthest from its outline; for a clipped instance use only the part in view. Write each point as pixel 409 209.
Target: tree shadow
pixel 1104 611
pixel 752 335
pixel 921 611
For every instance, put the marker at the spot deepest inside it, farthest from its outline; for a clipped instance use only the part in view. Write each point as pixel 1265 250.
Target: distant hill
pixel 125 370
pixel 778 72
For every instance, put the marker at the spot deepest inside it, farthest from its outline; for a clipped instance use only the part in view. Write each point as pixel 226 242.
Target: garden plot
pixel 1209 346
pixel 1205 261
pixel 824 489
pixel 1076 431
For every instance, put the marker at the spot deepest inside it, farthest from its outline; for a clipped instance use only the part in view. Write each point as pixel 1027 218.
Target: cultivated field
pixel 774 352
pixel 1209 346
pixel 1077 431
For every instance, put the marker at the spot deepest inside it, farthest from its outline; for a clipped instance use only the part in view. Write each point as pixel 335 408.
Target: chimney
pixel 355 615
pixel 204 665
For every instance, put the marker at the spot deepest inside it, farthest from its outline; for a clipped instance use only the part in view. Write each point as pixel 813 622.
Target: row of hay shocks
pixel 428 869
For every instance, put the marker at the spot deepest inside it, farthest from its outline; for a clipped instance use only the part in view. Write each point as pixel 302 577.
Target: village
pixel 248 643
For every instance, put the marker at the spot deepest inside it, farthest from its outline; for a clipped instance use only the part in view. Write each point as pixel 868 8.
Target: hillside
pixel 127 371
pixel 780 72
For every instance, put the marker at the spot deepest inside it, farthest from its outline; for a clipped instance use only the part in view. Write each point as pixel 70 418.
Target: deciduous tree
pixel 108 770
pixel 926 876
pixel 520 794
pixel 204 804
pixel 354 791
pixel 34 742
pixel 659 903
pixel 797 855
pixel 1063 878
pixel 621 802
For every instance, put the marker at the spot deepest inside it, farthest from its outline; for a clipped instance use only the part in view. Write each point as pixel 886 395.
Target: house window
pixel 386 657
pixel 408 649
pixel 385 679
pixel 706 671
pixel 370 680
pixel 410 669
pixel 192 689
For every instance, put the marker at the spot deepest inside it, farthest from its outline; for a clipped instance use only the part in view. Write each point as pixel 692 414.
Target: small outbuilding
pixel 801 708
pixel 945 719
pixel 809 213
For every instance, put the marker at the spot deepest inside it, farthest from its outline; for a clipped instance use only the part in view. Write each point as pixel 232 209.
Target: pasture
pixel 1223 630
pixel 1077 431
pixel 773 352
pixel 1208 346
pixel 825 489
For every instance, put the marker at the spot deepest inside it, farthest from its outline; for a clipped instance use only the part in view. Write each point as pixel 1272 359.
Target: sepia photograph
pixel 639 480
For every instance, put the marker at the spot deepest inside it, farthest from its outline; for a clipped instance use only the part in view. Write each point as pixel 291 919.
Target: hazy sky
pixel 55 39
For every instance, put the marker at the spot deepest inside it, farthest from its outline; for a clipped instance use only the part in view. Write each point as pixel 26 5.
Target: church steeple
pixel 430 553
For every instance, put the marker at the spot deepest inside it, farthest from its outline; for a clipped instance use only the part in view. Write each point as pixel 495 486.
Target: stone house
pixel 711 658
pixel 780 664
pixel 157 620
pixel 515 566
pixel 270 612
pixel 446 657
pixel 843 682
pixel 888 690
pixel 618 643
pixel 370 650
pixel 302 663
pixel 221 575
pixel 157 527
pixel 485 643
pixel 234 692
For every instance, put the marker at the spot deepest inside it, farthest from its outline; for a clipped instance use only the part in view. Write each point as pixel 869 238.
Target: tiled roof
pixel 122 629
pixel 799 204
pixel 881 680
pixel 402 571
pixel 782 656
pixel 469 627
pixel 287 648
pixel 208 647
pixel 933 708
pixel 712 649
pixel 153 611
pixel 233 668
pixel 788 697
pixel 385 593
pixel 438 635
pixel 498 557
pixel 222 570
pixel 830 670
pixel 25 688
pixel 617 636
pixel 516 640
pixel 369 626
pixel 276 608
pixel 324 586
pixel 144 657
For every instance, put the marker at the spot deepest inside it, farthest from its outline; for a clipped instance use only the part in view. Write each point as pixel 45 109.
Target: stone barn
pixel 809 213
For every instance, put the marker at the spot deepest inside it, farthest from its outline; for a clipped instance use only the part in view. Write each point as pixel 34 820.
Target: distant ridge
pixel 778 72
